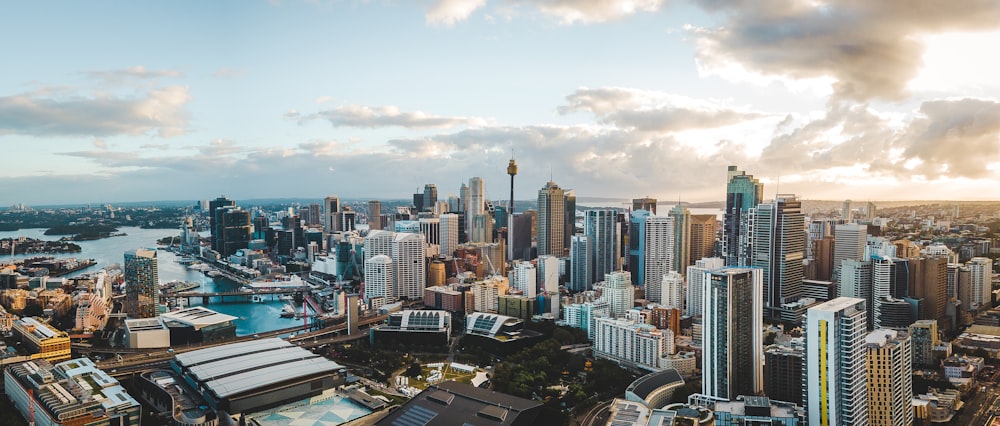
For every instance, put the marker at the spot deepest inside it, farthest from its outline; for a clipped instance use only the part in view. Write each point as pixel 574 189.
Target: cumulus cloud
pixel 448 12
pixel 958 137
pixel 383 116
pixel 870 49
pixel 159 111
pixel 591 11
pixel 652 111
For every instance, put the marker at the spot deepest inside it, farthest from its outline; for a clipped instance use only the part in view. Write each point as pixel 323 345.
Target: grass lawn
pixel 448 374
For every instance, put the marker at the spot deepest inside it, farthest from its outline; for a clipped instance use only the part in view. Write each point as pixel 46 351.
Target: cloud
pixel 159 111
pixel 959 137
pixel 652 111
pixel 384 116
pixel 870 49
pixel 132 74
pixel 448 12
pixel 591 11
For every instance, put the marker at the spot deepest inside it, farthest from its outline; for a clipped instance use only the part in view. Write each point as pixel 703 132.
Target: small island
pixel 33 246
pixel 84 231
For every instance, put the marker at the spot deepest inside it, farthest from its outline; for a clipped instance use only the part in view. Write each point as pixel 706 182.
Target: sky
pixel 854 99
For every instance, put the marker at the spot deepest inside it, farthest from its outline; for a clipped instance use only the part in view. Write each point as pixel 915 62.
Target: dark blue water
pixel 252 317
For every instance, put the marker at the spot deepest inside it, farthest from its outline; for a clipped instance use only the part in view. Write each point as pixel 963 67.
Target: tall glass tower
pixel 743 193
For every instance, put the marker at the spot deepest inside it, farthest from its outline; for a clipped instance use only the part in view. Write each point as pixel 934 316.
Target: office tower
pixel 331 208
pixel 930 284
pixel 315 217
pixel 856 281
pixel 650 248
pixel 142 291
pixel 870 211
pixel 409 266
pixel 448 237
pixel 779 244
pixel 475 204
pixel 378 242
pixel 836 366
pixel 348 220
pixel 702 237
pixel 732 330
pixel 418 202
pixel 569 217
pixel 682 238
pixel 602 230
pixel 481 228
pixel 454 203
pixel 846 212
pixel 890 280
pixel 379 288
pixel 629 343
pixel 783 372
pixel 519 233
pixel 850 240
pixel 551 220
pixel 549 273
pixel 822 259
pixel 743 193
pixel 644 203
pixel 524 277
pixel 215 219
pixel 580 253
pixel 890 373
pixel 374 215
pixel 924 337
pixel 697 277
pixel 619 292
pixel 429 197
pixel 236 230
pixel 980 285
pixel 463 195
pixel 672 285
pixel 500 218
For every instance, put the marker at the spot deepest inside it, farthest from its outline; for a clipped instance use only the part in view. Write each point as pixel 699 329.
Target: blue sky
pixel 615 98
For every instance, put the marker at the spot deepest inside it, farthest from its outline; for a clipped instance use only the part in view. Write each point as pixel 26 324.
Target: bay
pixel 251 317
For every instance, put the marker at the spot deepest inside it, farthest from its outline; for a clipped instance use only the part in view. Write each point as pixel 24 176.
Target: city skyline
pixel 374 99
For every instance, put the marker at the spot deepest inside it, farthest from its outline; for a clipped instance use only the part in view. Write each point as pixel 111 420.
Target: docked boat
pixel 187 260
pixel 257 298
pixel 287 297
pixel 287 311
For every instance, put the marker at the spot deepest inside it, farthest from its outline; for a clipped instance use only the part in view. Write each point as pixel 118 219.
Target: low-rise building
pixel 758 410
pixel 655 390
pixel 42 340
pixel 198 324
pixel 143 333
pixel 427 327
pixel 635 345
pixel 936 406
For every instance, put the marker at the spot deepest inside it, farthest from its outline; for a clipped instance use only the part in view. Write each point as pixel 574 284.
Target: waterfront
pixel 252 317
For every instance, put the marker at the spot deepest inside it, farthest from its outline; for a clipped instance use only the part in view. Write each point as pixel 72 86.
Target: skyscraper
pixel 658 251
pixel 524 277
pixel 618 292
pixel 580 254
pixel 980 287
pixel 702 237
pixel 235 227
pixel 475 205
pixel 569 217
pixel 448 233
pixel 142 291
pixel 519 231
pixel 379 281
pixel 682 238
pixel 374 215
pixel 551 220
pixel 697 278
pixel 836 365
pixel 214 219
pixel 331 208
pixel 779 244
pixel 430 227
pixel 548 273
pixel 430 196
pixel 602 230
pixel 644 203
pixel 743 193
pixel 849 243
pixel 672 294
pixel 409 266
pixel 732 342
pixel 890 373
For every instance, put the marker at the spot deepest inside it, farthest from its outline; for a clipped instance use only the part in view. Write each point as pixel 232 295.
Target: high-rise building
pixel 924 337
pixel 378 242
pixel 890 279
pixel 644 203
pixel 569 217
pixel 651 250
pixel 236 230
pixel 619 292
pixel 836 365
pixel 379 288
pixel 463 198
pixel 732 330
pixel 779 244
pixel 549 273
pixel 331 208
pixel 142 291
pixel 213 205
pixel 430 196
pixel 702 237
pixel 697 278
pixel 481 228
pixel 409 265
pixel 682 238
pixel 602 230
pixel 629 343
pixel 551 220
pixel 448 237
pixel 475 206
pixel 743 193
pixel 846 213
pixel 890 384
pixel 584 315
pixel 524 277
pixel 375 215
pixel 980 284
pixel 783 372
pixel 519 231
pixel 580 250
pixel 849 243
pixel 430 227
pixel 672 286
pixel 930 284
pixel 856 281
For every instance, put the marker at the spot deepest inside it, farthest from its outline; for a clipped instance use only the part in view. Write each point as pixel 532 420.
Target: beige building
pixel 42 340
pixel 890 385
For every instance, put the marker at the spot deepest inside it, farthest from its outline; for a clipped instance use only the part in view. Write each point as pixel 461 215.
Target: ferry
pixel 187 260
pixel 288 311
pixel 283 282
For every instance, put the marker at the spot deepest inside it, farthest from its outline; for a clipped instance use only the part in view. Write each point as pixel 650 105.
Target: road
pixel 598 415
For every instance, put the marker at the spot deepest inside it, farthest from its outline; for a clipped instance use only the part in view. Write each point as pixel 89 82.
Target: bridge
pixel 237 293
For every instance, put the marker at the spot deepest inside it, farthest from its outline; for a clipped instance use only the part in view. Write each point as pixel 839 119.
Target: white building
pixel 378 242
pixel 980 285
pixel 448 238
pixel 524 277
pixel 378 280
pixel 640 345
pixel 672 294
pixel 409 266
pixel 696 283
pixel 618 291
pixel 659 253
pixel 548 273
pixel 584 315
pixel 836 364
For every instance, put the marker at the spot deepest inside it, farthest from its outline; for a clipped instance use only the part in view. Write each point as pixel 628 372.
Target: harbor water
pixel 251 317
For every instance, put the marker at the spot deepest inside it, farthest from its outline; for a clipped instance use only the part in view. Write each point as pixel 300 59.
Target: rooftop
pixel 197 317
pixel 645 385
pixel 453 403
